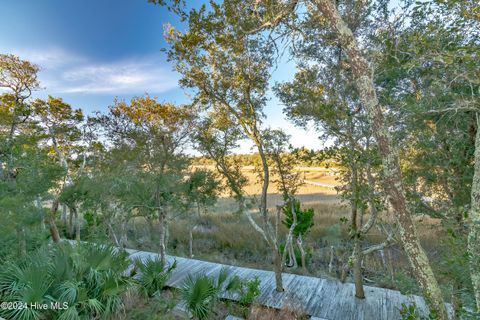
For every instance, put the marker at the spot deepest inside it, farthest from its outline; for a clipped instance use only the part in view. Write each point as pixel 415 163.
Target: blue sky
pixel 91 51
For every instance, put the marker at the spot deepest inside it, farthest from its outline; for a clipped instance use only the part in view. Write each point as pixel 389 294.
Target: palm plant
pixel 89 280
pixel 153 275
pixel 202 292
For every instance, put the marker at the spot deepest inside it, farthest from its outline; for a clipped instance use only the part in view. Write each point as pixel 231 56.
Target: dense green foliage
pixel 201 293
pixel 152 275
pixel 304 218
pixel 86 281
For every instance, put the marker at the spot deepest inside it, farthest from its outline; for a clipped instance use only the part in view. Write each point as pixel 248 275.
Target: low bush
pixel 68 281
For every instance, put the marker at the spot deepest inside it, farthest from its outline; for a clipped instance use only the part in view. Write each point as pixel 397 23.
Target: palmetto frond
pixel 153 275
pixel 199 294
pixel 89 278
pixel 68 292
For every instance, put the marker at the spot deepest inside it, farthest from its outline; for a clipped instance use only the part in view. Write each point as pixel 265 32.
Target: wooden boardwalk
pixel 322 298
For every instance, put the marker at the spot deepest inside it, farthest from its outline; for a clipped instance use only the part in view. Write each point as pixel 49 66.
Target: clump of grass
pixel 288 312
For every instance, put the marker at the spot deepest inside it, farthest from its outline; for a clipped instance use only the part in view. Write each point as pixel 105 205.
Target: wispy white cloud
pixel 134 75
pixel 46 59
pixel 62 71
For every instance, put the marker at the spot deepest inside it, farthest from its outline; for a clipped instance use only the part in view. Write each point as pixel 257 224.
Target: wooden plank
pixel 299 290
pixel 374 308
pixel 273 298
pixel 319 298
pixel 325 299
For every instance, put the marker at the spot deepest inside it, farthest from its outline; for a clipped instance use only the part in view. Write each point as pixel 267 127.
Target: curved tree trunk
pixel 392 175
pixel 357 250
pixel 292 256
pixel 51 222
pixel 302 254
pixel 474 230
pixel 278 259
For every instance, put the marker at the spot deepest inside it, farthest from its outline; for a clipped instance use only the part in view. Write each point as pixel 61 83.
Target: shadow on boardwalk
pixel 322 298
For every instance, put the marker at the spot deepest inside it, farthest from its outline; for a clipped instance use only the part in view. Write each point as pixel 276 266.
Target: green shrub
pixel 410 312
pixel 304 218
pixel 87 280
pixel 201 293
pixel 249 290
pixel 153 275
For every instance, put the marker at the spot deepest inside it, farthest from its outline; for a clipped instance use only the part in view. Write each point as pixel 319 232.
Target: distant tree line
pixel 303 157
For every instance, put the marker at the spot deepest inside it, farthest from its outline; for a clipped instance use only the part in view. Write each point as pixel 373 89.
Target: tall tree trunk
pixel 393 185
pixel 291 255
pixel 51 222
pixel 273 235
pixel 278 268
pixel 64 214
pixel 302 254
pixel 357 270
pixel 162 233
pixel 474 225
pixel 332 256
pixel 355 232
pixel 190 243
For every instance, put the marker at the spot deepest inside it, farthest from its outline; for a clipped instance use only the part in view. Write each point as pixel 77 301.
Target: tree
pixel 21 197
pixel 322 92
pixel 297 221
pixel 230 74
pixel 149 138
pixel 26 175
pixel 432 92
pixel 271 15
pixel 303 220
pixel 61 128
pixel 393 182
pixel 200 191
pixel 20 77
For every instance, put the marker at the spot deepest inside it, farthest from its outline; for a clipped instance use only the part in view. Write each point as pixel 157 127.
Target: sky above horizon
pixel 91 52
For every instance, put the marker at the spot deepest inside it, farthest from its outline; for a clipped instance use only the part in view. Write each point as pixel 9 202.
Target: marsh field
pixel 225 236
